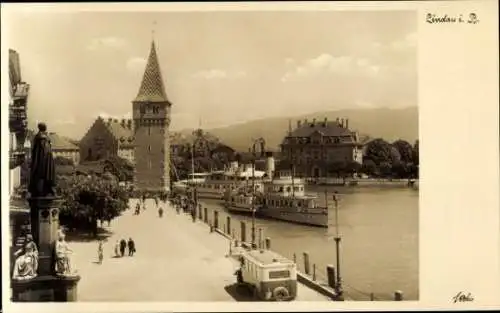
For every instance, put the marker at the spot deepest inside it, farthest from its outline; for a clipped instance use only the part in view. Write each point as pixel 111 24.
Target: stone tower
pixel 151 114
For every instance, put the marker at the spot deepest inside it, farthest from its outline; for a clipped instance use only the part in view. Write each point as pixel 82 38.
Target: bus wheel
pixel 280 294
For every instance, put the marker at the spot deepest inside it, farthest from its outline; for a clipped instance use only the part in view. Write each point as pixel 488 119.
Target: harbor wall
pixel 363 182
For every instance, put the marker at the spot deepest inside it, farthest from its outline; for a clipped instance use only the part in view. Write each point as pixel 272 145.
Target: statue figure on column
pixel 26 264
pixel 63 266
pixel 42 172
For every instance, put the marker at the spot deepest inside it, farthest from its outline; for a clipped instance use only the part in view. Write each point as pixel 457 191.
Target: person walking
pixel 100 252
pixel 117 248
pixel 131 247
pixel 123 245
pixel 160 212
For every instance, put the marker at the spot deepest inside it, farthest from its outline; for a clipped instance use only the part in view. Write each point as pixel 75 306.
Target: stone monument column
pixel 45 218
pixel 35 278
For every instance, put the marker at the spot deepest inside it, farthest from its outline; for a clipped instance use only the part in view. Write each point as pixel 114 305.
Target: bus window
pixel 279 274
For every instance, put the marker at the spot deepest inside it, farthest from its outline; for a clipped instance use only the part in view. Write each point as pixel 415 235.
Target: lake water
pixel 379 247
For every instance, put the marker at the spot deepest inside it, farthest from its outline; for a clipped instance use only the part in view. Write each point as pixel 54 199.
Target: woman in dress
pixel 26 264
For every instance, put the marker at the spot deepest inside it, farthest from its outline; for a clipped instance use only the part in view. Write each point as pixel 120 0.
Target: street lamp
pixel 338 282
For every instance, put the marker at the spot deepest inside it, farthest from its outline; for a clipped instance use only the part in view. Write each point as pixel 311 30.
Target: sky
pixel 219 68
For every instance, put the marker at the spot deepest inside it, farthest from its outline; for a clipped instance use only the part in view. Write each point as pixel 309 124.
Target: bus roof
pixel 267 257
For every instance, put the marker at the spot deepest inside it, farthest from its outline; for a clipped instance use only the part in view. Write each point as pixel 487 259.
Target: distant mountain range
pixel 389 124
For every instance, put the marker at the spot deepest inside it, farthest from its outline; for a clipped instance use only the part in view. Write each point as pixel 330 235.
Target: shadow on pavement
pixel 239 293
pixel 80 236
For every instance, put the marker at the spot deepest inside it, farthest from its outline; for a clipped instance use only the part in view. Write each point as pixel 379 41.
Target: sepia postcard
pixel 250 156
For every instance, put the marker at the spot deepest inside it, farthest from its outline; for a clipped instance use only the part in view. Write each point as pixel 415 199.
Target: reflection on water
pixel 379 249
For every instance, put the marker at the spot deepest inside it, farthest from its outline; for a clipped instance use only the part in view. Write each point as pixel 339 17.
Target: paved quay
pixel 176 260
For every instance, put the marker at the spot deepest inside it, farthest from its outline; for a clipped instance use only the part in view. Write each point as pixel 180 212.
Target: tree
pixel 369 167
pixel 379 151
pixel 88 199
pixel 401 169
pixel 416 156
pixel 385 169
pixel 197 151
pixel 405 150
pixel 59 160
pixel 119 167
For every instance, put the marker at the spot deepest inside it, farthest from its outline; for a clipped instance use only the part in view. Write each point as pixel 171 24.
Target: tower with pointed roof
pixel 151 115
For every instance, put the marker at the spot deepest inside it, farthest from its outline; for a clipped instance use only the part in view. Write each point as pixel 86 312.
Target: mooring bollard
pixel 307 268
pixel 268 243
pixel 330 274
pixel 398 295
pixel 216 219
pixel 228 222
pixel 314 272
pixel 205 214
pixel 243 232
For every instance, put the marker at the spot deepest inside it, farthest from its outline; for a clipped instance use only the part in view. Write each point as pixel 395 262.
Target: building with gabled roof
pixel 107 138
pixel 316 147
pixel 151 114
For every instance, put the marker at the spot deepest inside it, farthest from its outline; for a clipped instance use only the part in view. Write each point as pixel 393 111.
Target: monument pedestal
pixel 47 286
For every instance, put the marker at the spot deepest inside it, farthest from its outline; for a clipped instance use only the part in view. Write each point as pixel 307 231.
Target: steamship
pixel 244 199
pixel 284 198
pixel 216 184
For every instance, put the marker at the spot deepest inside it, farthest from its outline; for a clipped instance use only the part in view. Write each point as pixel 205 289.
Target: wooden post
pixel 398 295
pixel 330 273
pixel 233 233
pixel 228 224
pixel 260 238
pixel 268 243
pixel 307 268
pixel 216 219
pixel 205 214
pixel 230 247
pixel 294 258
pixel 200 212
pixel 372 296
pixel 243 233
pixel 314 272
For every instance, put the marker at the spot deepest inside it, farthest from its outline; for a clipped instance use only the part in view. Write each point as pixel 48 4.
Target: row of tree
pixel 399 159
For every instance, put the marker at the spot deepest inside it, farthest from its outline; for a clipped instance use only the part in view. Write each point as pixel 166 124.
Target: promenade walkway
pixel 176 260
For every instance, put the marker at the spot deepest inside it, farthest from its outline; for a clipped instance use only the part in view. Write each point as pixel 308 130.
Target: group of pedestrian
pixel 121 246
